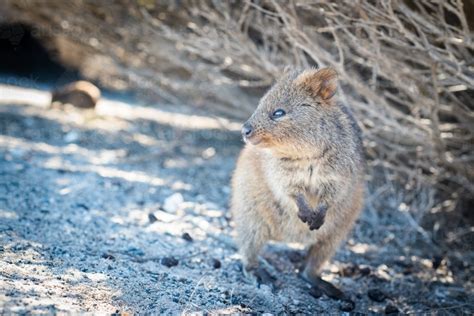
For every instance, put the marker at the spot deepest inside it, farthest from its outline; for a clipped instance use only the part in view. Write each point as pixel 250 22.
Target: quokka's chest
pixel 292 182
pixel 295 177
pixel 289 179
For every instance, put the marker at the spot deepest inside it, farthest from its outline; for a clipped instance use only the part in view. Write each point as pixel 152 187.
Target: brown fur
pixel 314 152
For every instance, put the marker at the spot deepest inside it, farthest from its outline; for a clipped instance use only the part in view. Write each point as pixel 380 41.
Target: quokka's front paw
pixel 314 218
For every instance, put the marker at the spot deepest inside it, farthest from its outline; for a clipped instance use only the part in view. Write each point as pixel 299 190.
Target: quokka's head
pixel 296 114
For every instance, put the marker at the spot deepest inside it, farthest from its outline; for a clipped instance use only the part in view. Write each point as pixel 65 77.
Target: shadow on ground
pixel 103 213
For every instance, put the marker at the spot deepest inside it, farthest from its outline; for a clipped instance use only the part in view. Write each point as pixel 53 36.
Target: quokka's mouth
pixel 253 140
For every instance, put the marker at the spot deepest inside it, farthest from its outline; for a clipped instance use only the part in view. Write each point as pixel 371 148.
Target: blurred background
pixel 141 152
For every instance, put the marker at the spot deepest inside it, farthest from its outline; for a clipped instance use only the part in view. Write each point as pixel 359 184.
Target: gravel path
pixel 126 210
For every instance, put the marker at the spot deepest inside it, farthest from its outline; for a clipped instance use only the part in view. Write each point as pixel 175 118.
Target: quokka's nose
pixel 247 130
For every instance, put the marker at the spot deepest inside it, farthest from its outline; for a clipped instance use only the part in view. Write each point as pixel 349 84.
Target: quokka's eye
pixel 278 113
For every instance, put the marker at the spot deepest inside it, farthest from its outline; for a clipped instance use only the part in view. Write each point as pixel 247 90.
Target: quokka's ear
pixel 320 83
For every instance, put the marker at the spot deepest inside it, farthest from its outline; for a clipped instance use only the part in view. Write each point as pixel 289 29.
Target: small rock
pixel 187 237
pixel 152 218
pixel 108 256
pixel 83 206
pixel 391 309
pixel 80 94
pixel 364 271
pixel 209 153
pixel 376 295
pixel 347 305
pixel 216 263
pixel 169 261
pixel 173 202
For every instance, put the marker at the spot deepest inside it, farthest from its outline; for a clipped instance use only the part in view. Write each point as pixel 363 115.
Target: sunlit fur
pixel 315 149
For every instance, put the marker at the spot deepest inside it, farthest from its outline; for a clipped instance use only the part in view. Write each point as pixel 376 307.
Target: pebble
pixel 187 237
pixel 83 206
pixel 364 271
pixel 173 202
pixel 376 295
pixel 80 94
pixel 108 256
pixel 216 263
pixel 152 218
pixel 169 261
pixel 209 153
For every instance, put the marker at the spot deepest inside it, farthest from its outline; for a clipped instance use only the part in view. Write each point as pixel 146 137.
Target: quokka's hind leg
pixel 251 237
pixel 318 254
pixel 250 245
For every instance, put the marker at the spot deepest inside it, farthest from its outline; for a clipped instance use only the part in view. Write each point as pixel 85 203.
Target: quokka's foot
pixel 314 218
pixel 323 287
pixel 259 275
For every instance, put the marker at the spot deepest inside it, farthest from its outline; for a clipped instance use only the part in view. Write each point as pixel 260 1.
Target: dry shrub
pixel 406 68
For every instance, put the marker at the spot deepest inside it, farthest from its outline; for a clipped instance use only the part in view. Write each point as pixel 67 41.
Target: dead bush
pixel 406 68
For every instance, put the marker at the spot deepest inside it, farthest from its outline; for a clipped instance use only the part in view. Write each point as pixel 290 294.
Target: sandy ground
pixel 125 210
